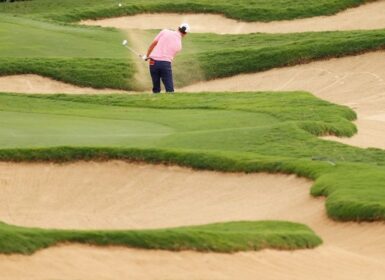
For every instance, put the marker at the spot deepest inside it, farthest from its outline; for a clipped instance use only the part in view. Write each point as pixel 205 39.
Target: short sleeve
pixel 159 35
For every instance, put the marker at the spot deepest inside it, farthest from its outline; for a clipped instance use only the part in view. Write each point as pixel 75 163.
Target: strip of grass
pixel 223 237
pixel 210 56
pixel 84 72
pixel 244 132
pixel 258 10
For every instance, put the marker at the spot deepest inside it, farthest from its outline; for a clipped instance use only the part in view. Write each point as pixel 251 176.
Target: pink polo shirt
pixel 169 44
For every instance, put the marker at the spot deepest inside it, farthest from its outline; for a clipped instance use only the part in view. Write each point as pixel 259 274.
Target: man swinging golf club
pixel 160 55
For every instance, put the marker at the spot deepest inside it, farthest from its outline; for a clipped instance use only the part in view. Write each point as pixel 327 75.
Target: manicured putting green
pixel 46 123
pixel 42 130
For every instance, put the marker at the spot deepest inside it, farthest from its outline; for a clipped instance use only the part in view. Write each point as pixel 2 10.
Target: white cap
pixel 184 27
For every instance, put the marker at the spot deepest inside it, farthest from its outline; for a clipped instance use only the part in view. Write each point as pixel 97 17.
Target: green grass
pixel 79 55
pixel 356 178
pixel 210 56
pixel 257 10
pixel 186 115
pixel 94 57
pixel 38 130
pixel 223 237
pixel 245 132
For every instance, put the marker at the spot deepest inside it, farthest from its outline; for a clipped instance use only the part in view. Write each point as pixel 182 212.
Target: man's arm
pixel 151 48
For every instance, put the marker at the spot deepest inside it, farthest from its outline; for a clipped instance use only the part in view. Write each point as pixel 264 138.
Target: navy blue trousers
pixel 161 70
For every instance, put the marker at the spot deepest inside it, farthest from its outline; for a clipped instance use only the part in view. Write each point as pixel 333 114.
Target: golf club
pixel 125 43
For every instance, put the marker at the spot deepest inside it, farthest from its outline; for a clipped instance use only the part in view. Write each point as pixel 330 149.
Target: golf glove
pixel 144 57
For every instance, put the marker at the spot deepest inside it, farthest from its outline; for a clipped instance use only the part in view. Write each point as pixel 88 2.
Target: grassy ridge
pixel 368 180
pixel 85 72
pixel 258 10
pixel 218 56
pixel 223 237
pixel 245 132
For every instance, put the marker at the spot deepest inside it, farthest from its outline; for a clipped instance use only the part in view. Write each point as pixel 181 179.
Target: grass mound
pixel 258 10
pixel 244 132
pixel 355 179
pixel 223 237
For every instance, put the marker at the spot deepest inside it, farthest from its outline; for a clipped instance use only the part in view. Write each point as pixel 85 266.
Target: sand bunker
pixel 368 16
pixel 121 195
pixel 37 84
pixel 89 263
pixel 357 81
pixel 116 195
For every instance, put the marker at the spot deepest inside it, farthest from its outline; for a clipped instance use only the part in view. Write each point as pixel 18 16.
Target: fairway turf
pixel 221 237
pixel 245 132
pixel 82 56
pixel 258 10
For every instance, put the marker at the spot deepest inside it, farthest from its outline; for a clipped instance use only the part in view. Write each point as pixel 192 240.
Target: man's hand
pixel 145 58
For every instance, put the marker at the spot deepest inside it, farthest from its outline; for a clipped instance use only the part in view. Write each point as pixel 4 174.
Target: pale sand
pixel 364 17
pixel 30 83
pixel 356 81
pixel 89 263
pixel 115 194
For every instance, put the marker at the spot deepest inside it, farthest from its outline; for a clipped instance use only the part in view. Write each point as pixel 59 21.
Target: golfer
pixel 160 55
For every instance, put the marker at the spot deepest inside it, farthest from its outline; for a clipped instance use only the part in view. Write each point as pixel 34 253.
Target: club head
pixel 124 43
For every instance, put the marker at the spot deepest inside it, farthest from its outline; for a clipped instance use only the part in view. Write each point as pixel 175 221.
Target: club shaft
pixel 138 54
